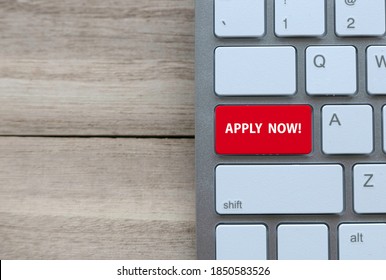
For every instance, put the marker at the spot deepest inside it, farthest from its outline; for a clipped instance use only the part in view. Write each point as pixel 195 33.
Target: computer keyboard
pixel 291 129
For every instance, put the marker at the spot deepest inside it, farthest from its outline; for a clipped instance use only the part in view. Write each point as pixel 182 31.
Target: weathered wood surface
pixel 79 67
pixel 113 68
pixel 97 198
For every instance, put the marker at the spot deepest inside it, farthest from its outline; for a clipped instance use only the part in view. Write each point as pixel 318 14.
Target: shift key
pixel 279 189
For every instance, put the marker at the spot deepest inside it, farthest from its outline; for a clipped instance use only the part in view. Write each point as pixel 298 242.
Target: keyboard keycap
pixel 347 129
pixel 360 17
pixel 279 189
pixel 245 130
pixel 299 18
pixel 255 71
pixel 362 241
pixel 331 70
pixel 239 18
pixel 241 242
pixel 302 242
pixel 376 70
pixel 370 188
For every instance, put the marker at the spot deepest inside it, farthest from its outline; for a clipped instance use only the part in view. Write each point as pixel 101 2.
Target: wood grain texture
pixel 78 67
pixel 96 198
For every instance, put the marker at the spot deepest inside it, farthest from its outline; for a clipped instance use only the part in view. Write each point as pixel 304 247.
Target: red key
pixel 263 129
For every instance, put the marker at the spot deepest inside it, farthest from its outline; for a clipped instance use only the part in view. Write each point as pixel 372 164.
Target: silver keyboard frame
pixel 207 100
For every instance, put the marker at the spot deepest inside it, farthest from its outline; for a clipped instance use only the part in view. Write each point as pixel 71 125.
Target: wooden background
pixel 97 129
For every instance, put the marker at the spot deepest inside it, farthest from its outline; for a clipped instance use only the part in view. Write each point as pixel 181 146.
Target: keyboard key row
pixel 297 18
pixel 288 129
pixel 300 189
pixel 272 71
pixel 301 242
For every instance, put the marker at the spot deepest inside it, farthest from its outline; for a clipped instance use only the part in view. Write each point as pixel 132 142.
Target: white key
pixel 239 18
pixel 302 242
pixel 360 17
pixel 331 70
pixel 241 242
pixel 370 188
pixel 362 241
pixel 279 189
pixel 376 70
pixel 299 18
pixel 255 71
pixel 347 129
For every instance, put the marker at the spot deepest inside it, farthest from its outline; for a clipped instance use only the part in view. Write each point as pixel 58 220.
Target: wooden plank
pixel 97 198
pixel 78 67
